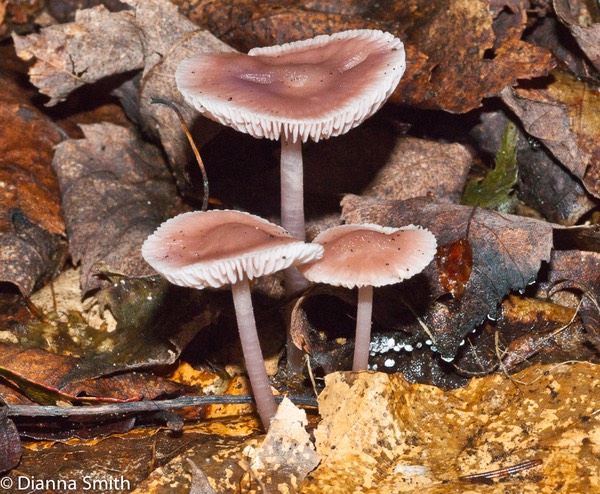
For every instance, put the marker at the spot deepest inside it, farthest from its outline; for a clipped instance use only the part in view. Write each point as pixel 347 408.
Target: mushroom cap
pixel 317 88
pixel 202 249
pixel 370 255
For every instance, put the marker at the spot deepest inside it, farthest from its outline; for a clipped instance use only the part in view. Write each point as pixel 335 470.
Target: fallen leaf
pixel 18 16
pixel 245 24
pixel 418 167
pixel 455 264
pixel 470 55
pixel 580 20
pixel 565 117
pixel 544 184
pixel 10 444
pixel 113 179
pixel 285 457
pixel 380 434
pixel 85 51
pixel 494 191
pixel 31 223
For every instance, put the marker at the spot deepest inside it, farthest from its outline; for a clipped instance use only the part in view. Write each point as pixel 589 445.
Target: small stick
pixel 192 144
pixel 122 409
pixel 501 472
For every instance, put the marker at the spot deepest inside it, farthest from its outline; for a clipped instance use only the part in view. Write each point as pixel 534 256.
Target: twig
pixel 121 409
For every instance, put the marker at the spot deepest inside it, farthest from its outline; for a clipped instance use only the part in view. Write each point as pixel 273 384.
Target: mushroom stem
pixel 292 188
pixel 255 364
pixel 362 342
pixel 292 219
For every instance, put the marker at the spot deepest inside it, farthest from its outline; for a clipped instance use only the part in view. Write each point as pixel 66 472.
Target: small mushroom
pixel 314 88
pixel 211 249
pixel 367 256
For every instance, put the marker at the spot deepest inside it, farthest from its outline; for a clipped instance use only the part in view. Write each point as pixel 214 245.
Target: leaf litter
pixel 483 75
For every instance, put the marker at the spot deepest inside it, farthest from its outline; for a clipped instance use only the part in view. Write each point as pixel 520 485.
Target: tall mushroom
pixel 367 256
pixel 217 248
pixel 314 88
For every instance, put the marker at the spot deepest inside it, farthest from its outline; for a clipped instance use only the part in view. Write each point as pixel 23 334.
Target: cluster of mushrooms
pixel 282 99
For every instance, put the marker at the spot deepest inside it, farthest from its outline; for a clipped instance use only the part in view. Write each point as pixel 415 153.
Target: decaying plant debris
pixel 483 367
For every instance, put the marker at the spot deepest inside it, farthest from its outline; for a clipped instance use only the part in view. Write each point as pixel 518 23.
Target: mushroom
pixel 367 256
pixel 210 249
pixel 314 88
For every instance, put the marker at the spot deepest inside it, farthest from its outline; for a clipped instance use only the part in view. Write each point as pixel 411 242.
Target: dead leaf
pixel 10 444
pixel 116 191
pixel 85 51
pixel 507 254
pixel 565 117
pixel 245 24
pixel 287 454
pixel 469 55
pixel 455 264
pixel 31 223
pixel 544 184
pixel 16 16
pixel 580 20
pixel 381 434
pixel 418 167
pixel 152 37
pixel 38 375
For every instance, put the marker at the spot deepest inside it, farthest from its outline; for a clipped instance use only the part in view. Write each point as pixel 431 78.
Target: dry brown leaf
pixel 380 434
pixel 32 246
pixel 544 184
pixel 98 44
pixel 579 19
pixel 565 117
pixel 116 191
pixel 469 56
pixel 418 167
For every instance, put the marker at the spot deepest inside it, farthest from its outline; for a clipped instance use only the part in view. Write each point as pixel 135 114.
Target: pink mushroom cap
pixel 314 88
pixel 370 255
pixel 204 249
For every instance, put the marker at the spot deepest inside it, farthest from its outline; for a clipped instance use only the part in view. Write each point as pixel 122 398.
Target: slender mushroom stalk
pixel 253 357
pixel 292 188
pixel 362 339
pixel 211 249
pixel 367 256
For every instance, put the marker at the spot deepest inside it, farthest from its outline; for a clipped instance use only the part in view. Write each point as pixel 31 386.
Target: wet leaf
pixel 495 190
pixel 507 254
pixel 113 179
